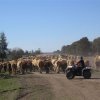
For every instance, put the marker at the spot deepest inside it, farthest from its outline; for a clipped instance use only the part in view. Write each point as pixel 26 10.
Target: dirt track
pixel 56 87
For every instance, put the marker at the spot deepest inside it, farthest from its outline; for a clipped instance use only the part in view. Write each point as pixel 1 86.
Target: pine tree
pixel 3 47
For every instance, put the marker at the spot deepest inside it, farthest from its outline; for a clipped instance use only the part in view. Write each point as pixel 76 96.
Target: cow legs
pixel 5 68
pixel 58 69
pixel 14 69
pixel 40 70
pixel 47 70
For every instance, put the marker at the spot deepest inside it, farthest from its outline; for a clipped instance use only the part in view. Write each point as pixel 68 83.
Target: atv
pixel 73 71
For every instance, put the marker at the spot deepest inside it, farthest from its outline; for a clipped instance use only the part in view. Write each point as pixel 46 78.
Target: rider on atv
pixel 81 63
pixel 78 70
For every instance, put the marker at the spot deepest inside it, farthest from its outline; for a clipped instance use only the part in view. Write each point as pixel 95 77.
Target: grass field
pixel 14 88
pixel 9 87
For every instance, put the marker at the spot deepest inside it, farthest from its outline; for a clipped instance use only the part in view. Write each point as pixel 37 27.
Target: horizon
pixel 48 24
pixel 48 51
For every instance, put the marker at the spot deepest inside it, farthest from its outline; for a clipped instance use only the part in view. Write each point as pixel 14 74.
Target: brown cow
pixel 14 66
pixel 38 63
pixel 48 65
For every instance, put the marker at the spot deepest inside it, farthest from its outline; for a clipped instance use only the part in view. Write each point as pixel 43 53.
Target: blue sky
pixel 48 24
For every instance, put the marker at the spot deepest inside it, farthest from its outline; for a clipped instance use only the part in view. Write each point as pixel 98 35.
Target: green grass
pixel 8 84
pixel 9 88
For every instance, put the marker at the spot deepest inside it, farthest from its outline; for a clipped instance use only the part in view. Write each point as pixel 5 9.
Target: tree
pixel 38 51
pixel 63 49
pixel 16 53
pixel 3 46
pixel 96 45
pixel 29 53
pixel 84 46
pixel 26 53
pixel 57 52
pixel 80 47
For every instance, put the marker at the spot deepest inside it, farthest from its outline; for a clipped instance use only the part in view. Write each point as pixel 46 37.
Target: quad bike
pixel 73 71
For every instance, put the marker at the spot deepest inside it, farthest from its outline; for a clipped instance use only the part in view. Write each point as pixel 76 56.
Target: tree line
pixel 82 47
pixel 15 53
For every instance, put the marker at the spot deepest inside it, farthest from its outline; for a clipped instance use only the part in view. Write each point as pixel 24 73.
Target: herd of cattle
pixel 97 61
pixel 40 63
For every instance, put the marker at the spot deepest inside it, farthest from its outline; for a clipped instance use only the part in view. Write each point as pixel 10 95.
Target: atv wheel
pixel 70 75
pixel 87 74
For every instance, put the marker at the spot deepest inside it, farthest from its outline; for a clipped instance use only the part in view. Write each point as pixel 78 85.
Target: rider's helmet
pixel 81 58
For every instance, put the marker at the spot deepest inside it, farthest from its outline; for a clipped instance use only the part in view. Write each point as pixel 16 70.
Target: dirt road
pixel 56 87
